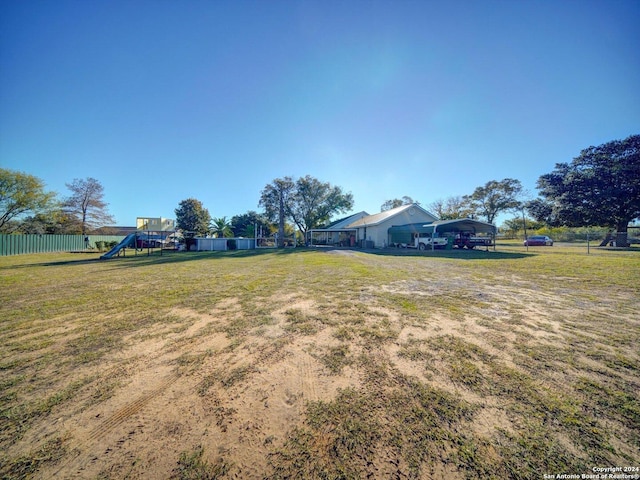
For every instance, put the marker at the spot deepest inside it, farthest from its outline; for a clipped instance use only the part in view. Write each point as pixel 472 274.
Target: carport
pixel 402 235
pixel 463 225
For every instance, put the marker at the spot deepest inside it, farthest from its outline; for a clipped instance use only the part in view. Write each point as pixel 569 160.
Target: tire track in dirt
pixel 307 379
pixel 128 410
pixel 83 445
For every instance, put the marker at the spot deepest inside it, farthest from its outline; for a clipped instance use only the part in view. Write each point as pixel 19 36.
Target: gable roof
pixel 343 222
pixel 382 216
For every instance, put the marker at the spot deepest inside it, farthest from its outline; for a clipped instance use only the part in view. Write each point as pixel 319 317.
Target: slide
pixel 128 241
pixel 607 239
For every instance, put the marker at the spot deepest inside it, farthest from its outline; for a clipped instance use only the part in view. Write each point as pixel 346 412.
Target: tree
pixel 192 218
pixel 87 204
pixel 395 203
pixel 20 194
pixel 451 208
pixel 307 202
pixel 516 224
pixel 53 221
pixel 245 225
pixel 495 197
pixel 221 227
pixel 276 200
pixel 540 209
pixel 314 202
pixel 600 187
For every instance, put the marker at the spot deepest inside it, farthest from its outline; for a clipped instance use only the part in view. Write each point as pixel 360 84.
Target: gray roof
pixel 344 222
pixel 463 224
pixel 382 216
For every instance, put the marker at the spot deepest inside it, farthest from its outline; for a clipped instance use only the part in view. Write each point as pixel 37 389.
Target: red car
pixel 538 241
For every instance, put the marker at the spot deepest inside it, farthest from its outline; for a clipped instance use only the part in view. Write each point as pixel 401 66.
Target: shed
pixel 221 244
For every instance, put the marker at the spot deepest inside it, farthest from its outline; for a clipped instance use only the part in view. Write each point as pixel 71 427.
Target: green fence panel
pixel 24 244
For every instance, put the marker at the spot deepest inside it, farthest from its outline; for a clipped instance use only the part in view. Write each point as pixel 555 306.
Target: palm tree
pixel 221 227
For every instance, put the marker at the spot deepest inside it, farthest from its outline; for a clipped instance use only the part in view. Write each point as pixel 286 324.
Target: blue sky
pixel 165 100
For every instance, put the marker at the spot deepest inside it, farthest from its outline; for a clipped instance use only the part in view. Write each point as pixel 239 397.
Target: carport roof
pixel 443 226
pixel 462 224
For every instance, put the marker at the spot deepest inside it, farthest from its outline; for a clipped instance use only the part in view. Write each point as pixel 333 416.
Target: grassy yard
pixel 320 364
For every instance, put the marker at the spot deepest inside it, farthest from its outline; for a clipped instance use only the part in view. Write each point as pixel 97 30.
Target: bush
pixel 99 245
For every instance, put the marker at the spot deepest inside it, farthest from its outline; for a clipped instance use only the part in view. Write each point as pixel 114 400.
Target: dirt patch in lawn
pixel 177 386
pixel 418 370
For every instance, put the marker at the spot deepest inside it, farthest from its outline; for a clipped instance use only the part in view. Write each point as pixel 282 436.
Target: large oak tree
pixel 307 202
pixel 600 187
pixel 314 202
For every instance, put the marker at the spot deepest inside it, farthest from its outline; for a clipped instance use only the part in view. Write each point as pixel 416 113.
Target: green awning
pixel 405 233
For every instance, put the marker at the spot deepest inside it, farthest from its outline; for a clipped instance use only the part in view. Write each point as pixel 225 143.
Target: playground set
pixel 616 239
pixel 150 233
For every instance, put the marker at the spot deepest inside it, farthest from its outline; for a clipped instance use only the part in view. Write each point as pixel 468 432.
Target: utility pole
pixel 524 226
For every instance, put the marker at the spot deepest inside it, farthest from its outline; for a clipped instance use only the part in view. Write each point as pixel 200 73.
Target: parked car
pixel 538 241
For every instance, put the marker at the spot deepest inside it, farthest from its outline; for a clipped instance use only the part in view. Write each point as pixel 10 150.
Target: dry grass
pixel 320 364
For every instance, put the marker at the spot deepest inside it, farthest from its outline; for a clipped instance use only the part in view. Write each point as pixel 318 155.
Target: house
pixel 158 224
pixel 369 231
pixel 114 230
